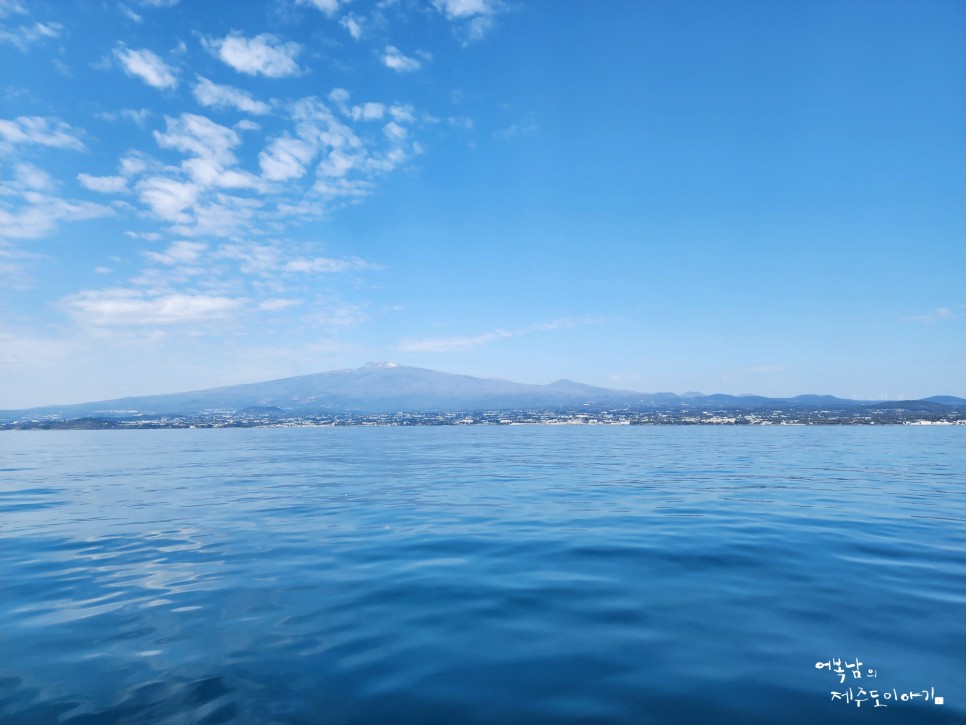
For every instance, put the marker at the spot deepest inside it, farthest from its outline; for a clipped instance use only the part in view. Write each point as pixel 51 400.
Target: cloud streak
pixel 24 36
pixel 133 307
pixel 216 95
pixel 940 314
pixel 39 131
pixel 147 66
pixel 471 342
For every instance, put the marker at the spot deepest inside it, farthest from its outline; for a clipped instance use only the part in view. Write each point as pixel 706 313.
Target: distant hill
pixel 388 387
pixel 945 400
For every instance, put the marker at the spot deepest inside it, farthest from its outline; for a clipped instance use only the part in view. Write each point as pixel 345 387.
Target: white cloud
pixel 264 54
pixel 403 114
pixel 940 314
pixel 221 216
pixel 133 165
pixel 168 198
pixel 103 184
pixel 398 62
pixel 516 130
pixel 276 305
pixel 189 196
pixel 318 131
pixel 33 178
pixel 465 8
pixel 40 214
pixel 286 158
pixel 13 272
pixel 329 7
pixel 340 315
pixel 137 115
pixel 368 112
pixel 24 36
pixel 120 306
pixel 129 14
pixel 29 209
pixel 217 95
pixel 473 18
pixel 179 253
pixel 159 3
pixel 394 131
pixel 11 7
pixel 40 131
pixel 326 264
pixel 147 66
pixel 353 25
pixel 199 136
pixel 462 343
pixel 451 344
pixel 253 258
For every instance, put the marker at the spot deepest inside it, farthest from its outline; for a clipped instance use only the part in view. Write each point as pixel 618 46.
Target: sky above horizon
pixel 744 197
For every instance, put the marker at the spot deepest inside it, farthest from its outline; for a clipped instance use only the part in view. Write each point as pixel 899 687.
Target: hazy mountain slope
pixel 375 387
pixel 387 387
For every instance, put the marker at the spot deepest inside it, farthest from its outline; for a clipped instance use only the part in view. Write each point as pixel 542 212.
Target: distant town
pixel 583 415
pixel 387 394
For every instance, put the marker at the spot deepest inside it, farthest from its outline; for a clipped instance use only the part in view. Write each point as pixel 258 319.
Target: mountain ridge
pixel 390 387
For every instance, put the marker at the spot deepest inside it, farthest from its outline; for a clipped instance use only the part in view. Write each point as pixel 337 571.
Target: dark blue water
pixel 483 575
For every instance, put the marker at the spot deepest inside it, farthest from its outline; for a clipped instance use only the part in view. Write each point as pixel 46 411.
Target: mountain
pixel 377 387
pixel 945 400
pixel 388 387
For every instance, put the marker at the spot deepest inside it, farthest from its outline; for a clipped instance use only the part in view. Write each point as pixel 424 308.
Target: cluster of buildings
pixel 585 415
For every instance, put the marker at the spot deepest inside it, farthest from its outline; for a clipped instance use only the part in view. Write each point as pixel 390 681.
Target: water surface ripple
pixel 482 575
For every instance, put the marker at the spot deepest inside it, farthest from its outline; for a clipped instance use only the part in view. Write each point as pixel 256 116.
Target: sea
pixel 504 574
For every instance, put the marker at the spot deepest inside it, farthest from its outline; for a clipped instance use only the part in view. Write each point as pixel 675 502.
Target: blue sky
pixel 729 197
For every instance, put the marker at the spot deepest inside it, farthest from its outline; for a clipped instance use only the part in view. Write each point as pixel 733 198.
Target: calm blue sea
pixel 484 575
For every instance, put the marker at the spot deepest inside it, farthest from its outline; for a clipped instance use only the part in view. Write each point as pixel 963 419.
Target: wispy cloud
pixel 353 25
pixel 326 264
pixel 764 369
pixel 11 7
pixel 393 58
pixel 193 196
pixel 470 342
pixel 23 36
pixel 339 315
pixel 179 253
pixel 516 130
pixel 451 344
pixel 139 116
pixel 940 314
pixel 329 7
pixel 133 307
pixel 31 209
pixel 103 184
pixel 465 8
pixel 192 283
pixel 216 95
pixel 14 273
pixel 129 14
pixel 472 19
pixel 265 54
pixel 40 131
pixel 199 136
pixel 41 213
pixel 147 66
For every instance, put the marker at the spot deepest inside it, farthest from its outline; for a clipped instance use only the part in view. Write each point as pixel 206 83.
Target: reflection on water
pixel 636 575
